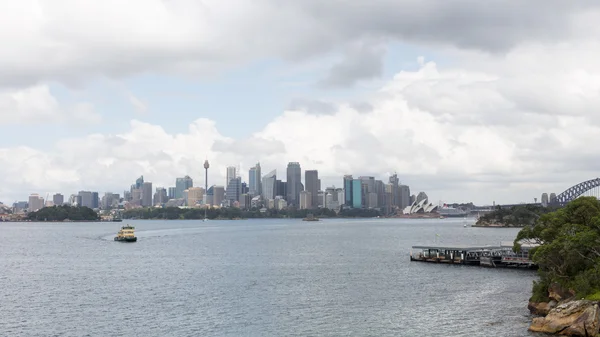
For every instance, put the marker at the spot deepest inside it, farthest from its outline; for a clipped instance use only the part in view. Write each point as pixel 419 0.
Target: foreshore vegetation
pixel 568 254
pixel 174 213
pixel 64 212
pixel 516 216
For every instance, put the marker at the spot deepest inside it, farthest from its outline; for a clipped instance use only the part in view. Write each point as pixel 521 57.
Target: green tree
pixel 568 254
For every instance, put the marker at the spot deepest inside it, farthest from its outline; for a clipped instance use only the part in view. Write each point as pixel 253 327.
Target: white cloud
pixel 37 105
pixel 455 133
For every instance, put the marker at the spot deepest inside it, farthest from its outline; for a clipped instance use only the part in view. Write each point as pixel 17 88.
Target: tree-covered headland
pixel 64 212
pixel 568 254
pixel 516 216
pixel 174 213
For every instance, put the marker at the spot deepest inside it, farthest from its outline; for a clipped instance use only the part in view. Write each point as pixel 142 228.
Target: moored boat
pixel 126 234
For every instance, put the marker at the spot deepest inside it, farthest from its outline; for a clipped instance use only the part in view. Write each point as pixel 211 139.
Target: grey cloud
pixel 251 146
pixel 363 63
pixel 494 25
pixel 362 107
pixel 312 106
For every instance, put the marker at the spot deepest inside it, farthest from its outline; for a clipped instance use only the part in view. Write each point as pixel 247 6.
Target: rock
pixel 541 308
pixel 572 318
pixel 558 293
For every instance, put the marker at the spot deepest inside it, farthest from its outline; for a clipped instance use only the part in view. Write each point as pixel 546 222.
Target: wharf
pixel 485 256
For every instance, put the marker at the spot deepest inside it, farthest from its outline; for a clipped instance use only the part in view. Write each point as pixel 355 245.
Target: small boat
pixel 126 234
pixel 310 217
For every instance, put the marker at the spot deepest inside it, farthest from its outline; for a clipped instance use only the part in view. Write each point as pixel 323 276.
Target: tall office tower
pixel 234 190
pixel 147 194
pixel 58 199
pixel 294 183
pixel 357 192
pixel 195 195
pixel 268 185
pixel 348 193
pixel 380 190
pixel 182 184
pixel 258 178
pixel 305 200
pixel 95 200
pixel 404 196
pixel 311 179
pixel 171 193
pixel 139 182
pixel 394 181
pixel 281 188
pixel 544 199
pixel 252 181
pixel 230 175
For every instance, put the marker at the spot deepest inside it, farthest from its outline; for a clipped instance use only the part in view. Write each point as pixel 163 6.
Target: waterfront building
pixel 195 195
pixel 171 193
pixel 219 195
pixel 234 190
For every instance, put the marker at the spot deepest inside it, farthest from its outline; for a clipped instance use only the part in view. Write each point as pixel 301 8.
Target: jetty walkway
pixel 485 256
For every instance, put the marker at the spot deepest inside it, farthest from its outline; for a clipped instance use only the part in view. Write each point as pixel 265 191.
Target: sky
pixel 491 101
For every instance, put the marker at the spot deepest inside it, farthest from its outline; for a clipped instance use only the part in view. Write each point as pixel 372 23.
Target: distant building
pixel 255 180
pixel 311 181
pixel 219 195
pixel 420 206
pixel 195 195
pixel 305 200
pixel 357 201
pixel 404 201
pixel 348 191
pixel 280 203
pixel 85 199
pixel 230 175
pixel 553 198
pixel 268 185
pixel 160 196
pixel 58 199
pixel 147 194
pixel 545 199
pixel 182 184
pixel 294 183
pixel 109 200
pixel 245 201
pixel 171 193
pixel 35 202
pixel 234 190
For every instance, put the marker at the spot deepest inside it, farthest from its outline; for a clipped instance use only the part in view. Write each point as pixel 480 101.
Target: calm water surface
pixel 253 278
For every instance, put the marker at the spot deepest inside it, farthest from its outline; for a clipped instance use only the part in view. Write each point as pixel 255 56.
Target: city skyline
pixel 476 112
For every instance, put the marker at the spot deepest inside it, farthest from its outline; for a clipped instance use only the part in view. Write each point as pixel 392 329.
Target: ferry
pixel 126 234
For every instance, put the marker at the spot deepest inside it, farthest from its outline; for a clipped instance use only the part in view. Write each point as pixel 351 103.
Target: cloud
pixel 312 106
pixel 192 38
pixel 37 105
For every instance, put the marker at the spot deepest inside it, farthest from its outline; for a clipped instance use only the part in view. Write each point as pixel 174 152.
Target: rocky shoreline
pixel 495 224
pixel 564 315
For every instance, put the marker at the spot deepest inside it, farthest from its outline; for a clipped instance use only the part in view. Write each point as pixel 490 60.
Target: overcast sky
pixel 466 100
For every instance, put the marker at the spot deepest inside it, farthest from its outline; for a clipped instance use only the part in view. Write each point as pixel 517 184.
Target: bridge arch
pixel 576 191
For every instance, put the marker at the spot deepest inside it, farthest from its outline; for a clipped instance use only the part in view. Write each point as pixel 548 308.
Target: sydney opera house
pixel 420 206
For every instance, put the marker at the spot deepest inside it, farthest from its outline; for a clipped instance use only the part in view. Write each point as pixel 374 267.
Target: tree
pixel 569 251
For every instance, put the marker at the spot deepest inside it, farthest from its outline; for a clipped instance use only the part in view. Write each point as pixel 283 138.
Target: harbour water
pixel 254 278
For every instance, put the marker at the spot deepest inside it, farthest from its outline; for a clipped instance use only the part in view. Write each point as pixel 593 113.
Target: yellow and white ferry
pixel 126 234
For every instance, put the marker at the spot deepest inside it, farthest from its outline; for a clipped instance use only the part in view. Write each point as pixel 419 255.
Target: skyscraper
pixel 230 175
pixel 394 181
pixel 404 196
pixel 147 194
pixel 294 183
pixel 347 191
pixel 268 185
pixel 182 184
pixel 357 200
pixel 252 180
pixel 35 202
pixel 311 180
pixel 234 190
